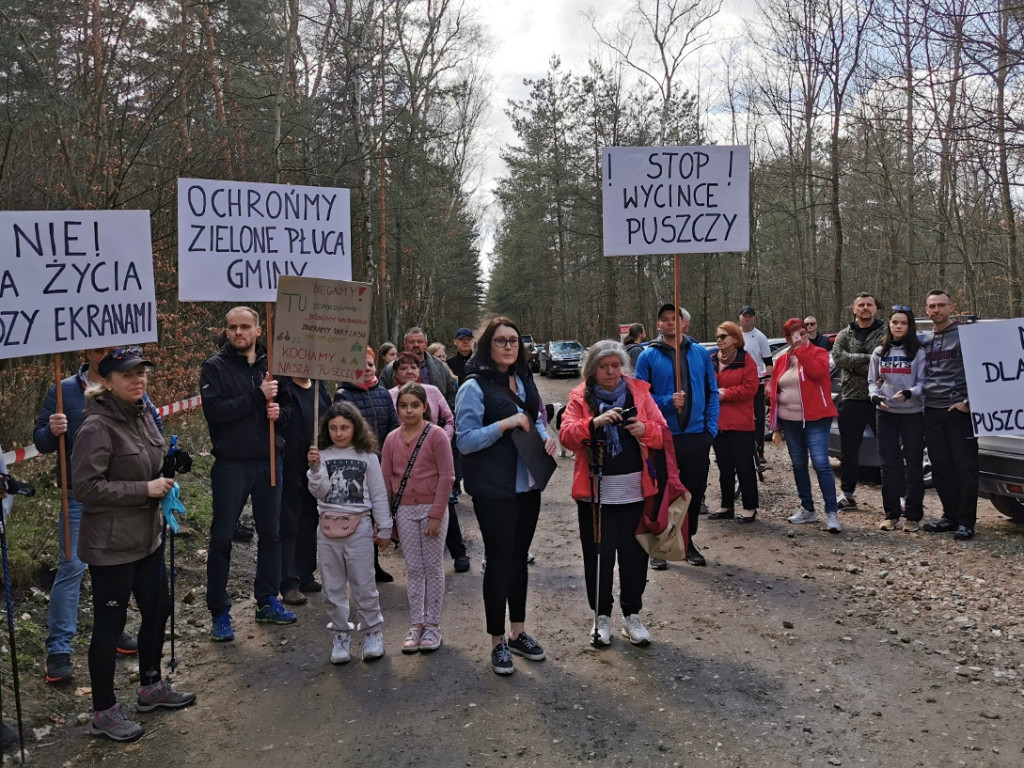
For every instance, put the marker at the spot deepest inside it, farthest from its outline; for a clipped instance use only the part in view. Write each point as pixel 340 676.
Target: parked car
pixel 560 357
pixel 1001 473
pixel 531 350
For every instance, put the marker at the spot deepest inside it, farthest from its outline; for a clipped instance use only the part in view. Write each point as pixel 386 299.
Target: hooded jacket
pixel 852 352
pixel 656 366
pixel 118 450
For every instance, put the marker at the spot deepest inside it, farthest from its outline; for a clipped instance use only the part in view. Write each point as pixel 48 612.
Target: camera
pixel 13 488
pixel 628 413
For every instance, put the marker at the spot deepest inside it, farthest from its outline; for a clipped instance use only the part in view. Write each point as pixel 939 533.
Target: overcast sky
pixel 524 35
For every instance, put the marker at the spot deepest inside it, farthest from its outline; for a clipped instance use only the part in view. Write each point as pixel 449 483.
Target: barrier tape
pixel 30 452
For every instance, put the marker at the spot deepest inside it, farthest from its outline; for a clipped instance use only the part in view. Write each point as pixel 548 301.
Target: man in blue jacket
pixel 67 585
pixel 691 412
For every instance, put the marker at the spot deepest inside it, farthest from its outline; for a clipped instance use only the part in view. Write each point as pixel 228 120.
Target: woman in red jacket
pixel 734 444
pixel 802 410
pixel 620 411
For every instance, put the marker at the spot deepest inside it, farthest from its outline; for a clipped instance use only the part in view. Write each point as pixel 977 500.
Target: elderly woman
pixel 618 410
pixel 407 369
pixel 498 397
pixel 802 410
pixel 116 464
pixel 736 372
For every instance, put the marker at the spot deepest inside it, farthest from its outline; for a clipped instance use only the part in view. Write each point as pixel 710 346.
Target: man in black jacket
pixel 238 402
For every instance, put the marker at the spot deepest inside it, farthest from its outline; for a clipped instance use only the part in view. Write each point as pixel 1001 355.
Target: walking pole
pixel 595 452
pixel 10 632
pixel 175 459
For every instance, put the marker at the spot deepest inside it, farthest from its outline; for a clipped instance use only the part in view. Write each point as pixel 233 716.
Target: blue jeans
pixel 66 587
pixel 811 437
pixel 233 482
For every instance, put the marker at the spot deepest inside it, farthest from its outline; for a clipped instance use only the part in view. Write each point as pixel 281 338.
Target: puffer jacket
pixel 118 450
pixel 852 353
pixel 576 428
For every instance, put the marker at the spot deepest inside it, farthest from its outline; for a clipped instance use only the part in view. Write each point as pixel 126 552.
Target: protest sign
pixel 322 328
pixel 993 355
pixel 74 280
pixel 236 239
pixel 662 200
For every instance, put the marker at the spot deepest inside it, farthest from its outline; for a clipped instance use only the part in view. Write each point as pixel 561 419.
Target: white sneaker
pixel 601 633
pixel 340 645
pixel 803 516
pixel 832 523
pixel 635 630
pixel 846 501
pixel 373 645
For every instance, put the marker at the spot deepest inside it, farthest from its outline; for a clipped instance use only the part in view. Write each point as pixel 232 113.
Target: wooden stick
pixel 678 371
pixel 316 408
pixel 270 372
pixel 62 461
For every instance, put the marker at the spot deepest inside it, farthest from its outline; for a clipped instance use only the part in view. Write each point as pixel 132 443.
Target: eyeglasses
pixel 121 352
pixel 722 336
pixel 901 308
pixel 501 342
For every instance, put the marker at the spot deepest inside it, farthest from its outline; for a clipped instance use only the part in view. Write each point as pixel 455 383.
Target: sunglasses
pixel 722 336
pixel 810 324
pixel 902 308
pixel 121 352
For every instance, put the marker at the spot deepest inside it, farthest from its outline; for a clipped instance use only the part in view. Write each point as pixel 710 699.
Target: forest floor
pixel 793 647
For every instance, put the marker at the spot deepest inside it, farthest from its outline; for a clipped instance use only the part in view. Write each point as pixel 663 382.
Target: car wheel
pixel 543 369
pixel 1009 506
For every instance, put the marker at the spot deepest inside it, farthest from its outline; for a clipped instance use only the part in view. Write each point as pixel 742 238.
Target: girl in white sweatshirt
pixel 345 477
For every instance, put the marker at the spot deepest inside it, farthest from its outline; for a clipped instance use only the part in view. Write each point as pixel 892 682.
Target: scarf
pixel 368 384
pixel 605 402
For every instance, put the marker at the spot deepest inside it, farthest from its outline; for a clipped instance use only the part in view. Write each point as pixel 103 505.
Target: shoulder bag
pixel 395 502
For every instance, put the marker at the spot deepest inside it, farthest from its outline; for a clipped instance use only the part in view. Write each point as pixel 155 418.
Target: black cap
pixel 121 359
pixel 463 333
pixel 746 309
pixel 666 308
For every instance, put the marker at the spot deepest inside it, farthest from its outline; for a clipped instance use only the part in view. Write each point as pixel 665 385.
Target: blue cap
pixel 462 333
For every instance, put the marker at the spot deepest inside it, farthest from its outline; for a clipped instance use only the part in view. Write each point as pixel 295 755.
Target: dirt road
pixel 792 647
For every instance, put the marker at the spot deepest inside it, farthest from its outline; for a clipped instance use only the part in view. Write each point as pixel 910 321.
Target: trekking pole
pixel 595 452
pixel 10 631
pixel 174 460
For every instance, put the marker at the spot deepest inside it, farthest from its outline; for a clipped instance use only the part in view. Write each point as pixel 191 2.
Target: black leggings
pixel 507 526
pixel 112 588
pixel 618 537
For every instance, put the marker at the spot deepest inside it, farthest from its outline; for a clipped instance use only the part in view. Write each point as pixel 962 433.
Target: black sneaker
pixel 527 647
pixel 382 577
pixel 127 644
pixel 942 525
pixel 658 564
pixel 501 659
pixel 963 533
pixel 693 555
pixel 243 532
pixel 461 564
pixel 59 668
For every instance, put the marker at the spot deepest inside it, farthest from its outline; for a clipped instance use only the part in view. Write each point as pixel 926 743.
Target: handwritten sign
pixel 237 239
pixel 661 200
pixel 74 280
pixel 322 328
pixel 993 355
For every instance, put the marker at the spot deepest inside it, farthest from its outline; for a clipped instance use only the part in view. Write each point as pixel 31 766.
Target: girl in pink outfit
pixel 422 516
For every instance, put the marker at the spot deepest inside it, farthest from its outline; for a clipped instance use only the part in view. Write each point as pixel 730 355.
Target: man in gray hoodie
pixel 952 447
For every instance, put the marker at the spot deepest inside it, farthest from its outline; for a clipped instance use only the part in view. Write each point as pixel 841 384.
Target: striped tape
pixel 30 452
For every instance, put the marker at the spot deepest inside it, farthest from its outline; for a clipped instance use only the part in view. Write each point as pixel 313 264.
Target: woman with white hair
pixel 613 408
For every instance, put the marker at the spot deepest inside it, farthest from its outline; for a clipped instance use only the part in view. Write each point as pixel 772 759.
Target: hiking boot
pixel 127 644
pixel 527 647
pixel 59 668
pixel 846 501
pixel 373 645
pixel 601 633
pixel 501 659
pixel 294 597
pixel 911 526
pixel 221 631
pixel 161 695
pixel 887 525
pixel 340 648
pixel 832 523
pixel 802 516
pixel 274 613
pixel 635 630
pixel 113 724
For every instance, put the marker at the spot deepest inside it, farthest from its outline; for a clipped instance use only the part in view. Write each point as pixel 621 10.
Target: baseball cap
pixel 121 359
pixel 462 333
pixel 666 308
pixel 746 309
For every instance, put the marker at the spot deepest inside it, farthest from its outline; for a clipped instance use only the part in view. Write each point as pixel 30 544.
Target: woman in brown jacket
pixel 116 463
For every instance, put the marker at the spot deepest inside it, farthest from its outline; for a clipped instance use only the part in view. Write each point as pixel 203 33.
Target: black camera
pixel 13 488
pixel 628 413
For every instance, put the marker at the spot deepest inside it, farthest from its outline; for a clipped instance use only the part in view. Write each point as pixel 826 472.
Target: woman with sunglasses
pixel 895 382
pixel 116 463
pixel 736 372
pixel 497 397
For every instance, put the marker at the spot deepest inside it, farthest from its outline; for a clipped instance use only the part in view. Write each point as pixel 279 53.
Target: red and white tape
pixel 30 452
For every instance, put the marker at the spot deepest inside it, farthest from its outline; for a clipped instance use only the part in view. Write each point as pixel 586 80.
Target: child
pixel 422 517
pixel 345 477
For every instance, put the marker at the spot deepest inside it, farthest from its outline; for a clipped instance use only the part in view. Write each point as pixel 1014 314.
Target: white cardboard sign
pixel 994 363
pixel 235 239
pixel 667 200
pixel 74 280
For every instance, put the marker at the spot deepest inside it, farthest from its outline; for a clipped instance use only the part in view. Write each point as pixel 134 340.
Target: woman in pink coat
pixel 407 369
pixel 617 409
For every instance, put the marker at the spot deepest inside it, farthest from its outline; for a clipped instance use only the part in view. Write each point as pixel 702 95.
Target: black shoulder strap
pixel 408 470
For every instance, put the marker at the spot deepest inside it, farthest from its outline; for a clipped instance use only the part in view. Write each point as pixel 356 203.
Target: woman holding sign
pixel 497 398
